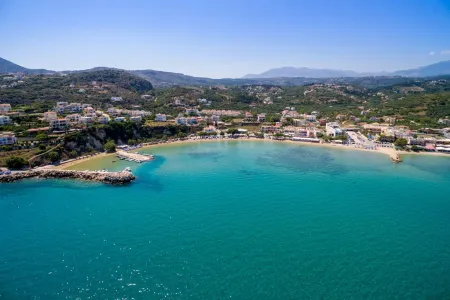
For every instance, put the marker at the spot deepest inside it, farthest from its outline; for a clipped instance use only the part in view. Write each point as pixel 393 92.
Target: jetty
pixel 136 157
pixel 122 177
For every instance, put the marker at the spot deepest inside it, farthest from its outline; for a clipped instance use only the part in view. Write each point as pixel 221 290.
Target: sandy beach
pixel 80 160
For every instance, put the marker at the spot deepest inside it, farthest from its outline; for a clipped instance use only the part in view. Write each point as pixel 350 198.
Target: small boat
pixel 113 161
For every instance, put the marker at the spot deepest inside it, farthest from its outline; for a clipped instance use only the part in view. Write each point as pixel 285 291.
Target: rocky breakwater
pixel 122 177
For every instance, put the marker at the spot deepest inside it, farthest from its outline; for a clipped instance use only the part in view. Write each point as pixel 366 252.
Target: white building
pixel 116 99
pixel 181 120
pixel 4 108
pixel 5 120
pixel 86 120
pixel 261 118
pixel 50 115
pixel 333 129
pixel 59 124
pixel 73 118
pixel 310 118
pixel 7 138
pixel 161 118
pixel 64 107
pixel 61 107
pixel 120 119
pixel 136 119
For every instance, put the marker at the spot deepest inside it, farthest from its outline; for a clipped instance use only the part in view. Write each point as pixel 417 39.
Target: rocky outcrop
pixel 99 176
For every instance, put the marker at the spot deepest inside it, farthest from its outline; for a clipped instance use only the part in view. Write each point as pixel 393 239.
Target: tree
pixel 42 137
pixel 232 131
pixel 53 156
pixel 131 142
pixel 181 134
pixel 15 162
pixel 222 133
pixel 401 143
pixel 415 148
pixel 110 146
pixel 42 147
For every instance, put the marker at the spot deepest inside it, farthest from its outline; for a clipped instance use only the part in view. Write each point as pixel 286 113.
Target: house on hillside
pixel 160 118
pixel 4 108
pixel 116 99
pixel 5 120
pixel 7 138
pixel 261 118
pixel 59 124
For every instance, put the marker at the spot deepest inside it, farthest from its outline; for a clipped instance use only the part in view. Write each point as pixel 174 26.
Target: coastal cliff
pixel 99 176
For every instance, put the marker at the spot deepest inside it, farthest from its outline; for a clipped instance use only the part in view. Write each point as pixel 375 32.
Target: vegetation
pixel 401 143
pixel 53 156
pixel 110 146
pixel 15 162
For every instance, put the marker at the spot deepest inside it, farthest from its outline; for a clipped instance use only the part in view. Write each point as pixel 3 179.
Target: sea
pixel 233 220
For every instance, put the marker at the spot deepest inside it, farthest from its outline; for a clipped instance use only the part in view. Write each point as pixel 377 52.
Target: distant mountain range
pixel 278 76
pixel 437 69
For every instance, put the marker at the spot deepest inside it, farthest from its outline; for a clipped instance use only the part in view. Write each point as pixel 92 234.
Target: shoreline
pixel 390 152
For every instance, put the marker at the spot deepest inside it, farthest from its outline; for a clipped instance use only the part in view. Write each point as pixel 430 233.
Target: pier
pixel 122 177
pixel 136 157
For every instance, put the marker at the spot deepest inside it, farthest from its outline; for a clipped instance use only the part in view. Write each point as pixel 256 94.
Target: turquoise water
pixel 234 220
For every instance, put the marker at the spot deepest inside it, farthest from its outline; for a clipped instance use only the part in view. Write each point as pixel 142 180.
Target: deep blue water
pixel 234 220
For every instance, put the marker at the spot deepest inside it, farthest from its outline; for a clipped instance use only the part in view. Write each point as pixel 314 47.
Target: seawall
pixel 98 176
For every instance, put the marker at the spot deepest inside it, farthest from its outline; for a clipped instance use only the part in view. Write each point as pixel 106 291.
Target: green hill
pixel 77 87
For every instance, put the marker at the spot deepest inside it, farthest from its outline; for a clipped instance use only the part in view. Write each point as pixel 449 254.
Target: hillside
pixel 88 87
pixel 9 67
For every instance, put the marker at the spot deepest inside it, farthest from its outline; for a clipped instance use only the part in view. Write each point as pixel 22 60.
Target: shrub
pixel 15 162
pixel 110 146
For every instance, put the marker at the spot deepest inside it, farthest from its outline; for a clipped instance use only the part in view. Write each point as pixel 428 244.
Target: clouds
pixel 443 52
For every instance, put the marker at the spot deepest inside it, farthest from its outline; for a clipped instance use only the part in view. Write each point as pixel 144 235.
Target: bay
pixel 239 220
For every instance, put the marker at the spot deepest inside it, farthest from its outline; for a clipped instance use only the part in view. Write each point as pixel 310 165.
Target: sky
pixel 231 38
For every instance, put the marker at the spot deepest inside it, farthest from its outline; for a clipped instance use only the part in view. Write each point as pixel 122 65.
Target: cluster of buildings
pixel 218 112
pixel 10 81
pixel 292 124
pixel 85 114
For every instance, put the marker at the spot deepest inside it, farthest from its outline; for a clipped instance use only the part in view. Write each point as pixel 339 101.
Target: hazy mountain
pixel 437 69
pixel 303 72
pixel 441 68
pixel 278 76
pixel 9 67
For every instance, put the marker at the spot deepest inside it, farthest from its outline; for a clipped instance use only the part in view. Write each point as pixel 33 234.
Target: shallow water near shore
pixel 242 220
